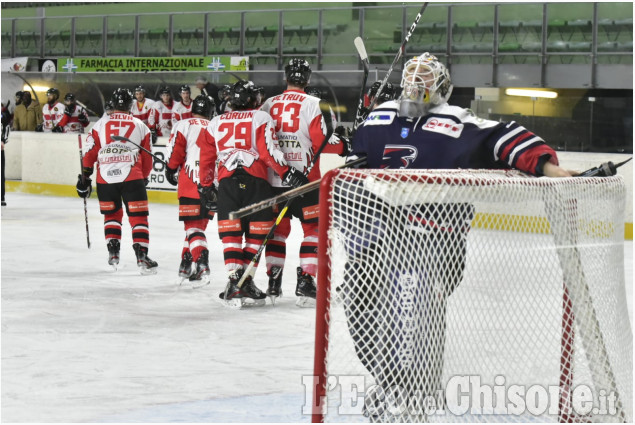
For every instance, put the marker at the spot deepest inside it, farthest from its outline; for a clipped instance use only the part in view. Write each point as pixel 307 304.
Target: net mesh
pixel 474 296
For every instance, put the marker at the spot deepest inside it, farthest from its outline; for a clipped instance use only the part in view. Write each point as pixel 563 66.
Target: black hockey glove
pixel 39 128
pixel 294 178
pixel 84 188
pixel 57 129
pixel 83 119
pixel 69 110
pixel 171 176
pixel 209 198
pixel 342 133
pixel 153 136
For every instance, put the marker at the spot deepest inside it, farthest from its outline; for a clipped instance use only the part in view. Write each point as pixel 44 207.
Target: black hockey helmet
pixel 388 93
pixel 70 97
pixel 140 88
pixel 243 95
pixel 186 88
pixel 54 92
pixel 314 91
pixel 298 72
pixel 109 106
pixel 203 106
pixel 225 91
pixel 165 90
pixel 121 99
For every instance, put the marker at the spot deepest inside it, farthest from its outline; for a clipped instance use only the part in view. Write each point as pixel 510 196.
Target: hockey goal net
pixel 471 295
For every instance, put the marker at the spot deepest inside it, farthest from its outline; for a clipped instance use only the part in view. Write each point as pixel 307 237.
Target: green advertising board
pixel 132 64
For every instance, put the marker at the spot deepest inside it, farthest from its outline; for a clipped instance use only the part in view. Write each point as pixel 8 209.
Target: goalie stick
pixel 361 49
pixel 81 170
pixel 250 271
pixel 605 169
pixel 293 193
pixel 125 139
pixel 400 52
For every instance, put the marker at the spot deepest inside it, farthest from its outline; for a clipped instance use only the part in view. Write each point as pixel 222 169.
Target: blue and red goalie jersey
pixel 448 137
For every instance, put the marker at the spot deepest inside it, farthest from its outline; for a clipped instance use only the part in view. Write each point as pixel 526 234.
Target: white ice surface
pixel 81 343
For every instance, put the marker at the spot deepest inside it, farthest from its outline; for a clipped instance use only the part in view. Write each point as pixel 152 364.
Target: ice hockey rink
pixel 82 343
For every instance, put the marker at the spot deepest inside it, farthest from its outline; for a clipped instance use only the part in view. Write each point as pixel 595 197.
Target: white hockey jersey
pixel 181 111
pixel 52 115
pixel 183 151
pixel 118 161
pixel 301 128
pixel 240 139
pixel 160 118
pixel 72 124
pixel 142 110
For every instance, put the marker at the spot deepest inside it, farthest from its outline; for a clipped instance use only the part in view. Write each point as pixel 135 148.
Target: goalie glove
pixel 171 176
pixel 84 186
pixel 294 178
pixel 209 198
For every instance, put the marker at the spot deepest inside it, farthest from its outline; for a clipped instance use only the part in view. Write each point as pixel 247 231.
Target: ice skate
pixel 275 283
pixel 200 276
pixel 185 268
pixel 113 253
pixel 145 263
pixel 247 295
pixel 305 289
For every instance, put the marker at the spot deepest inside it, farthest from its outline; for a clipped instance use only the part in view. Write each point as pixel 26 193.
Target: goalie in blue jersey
pixel 395 297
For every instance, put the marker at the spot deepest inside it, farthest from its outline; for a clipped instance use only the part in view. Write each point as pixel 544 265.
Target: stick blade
pixel 361 49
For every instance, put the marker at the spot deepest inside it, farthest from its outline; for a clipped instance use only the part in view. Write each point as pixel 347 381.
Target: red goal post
pixel 428 277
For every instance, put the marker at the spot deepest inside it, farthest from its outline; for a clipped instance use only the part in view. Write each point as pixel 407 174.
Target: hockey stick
pixel 293 193
pixel 81 170
pixel 606 169
pixel 125 139
pixel 251 267
pixel 399 54
pixel 361 49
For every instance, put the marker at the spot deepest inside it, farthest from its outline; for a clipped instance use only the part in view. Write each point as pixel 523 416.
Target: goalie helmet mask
pixel 121 100
pixel 388 93
pixel 298 72
pixel 203 106
pixel 243 95
pixel 426 82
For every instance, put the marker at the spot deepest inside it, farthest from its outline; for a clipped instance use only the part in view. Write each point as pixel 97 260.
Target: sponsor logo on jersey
pixel 443 126
pixel 293 156
pixel 398 156
pixel 380 118
pixel 404 132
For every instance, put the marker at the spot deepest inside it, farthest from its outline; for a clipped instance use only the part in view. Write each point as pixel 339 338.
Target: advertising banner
pixel 133 64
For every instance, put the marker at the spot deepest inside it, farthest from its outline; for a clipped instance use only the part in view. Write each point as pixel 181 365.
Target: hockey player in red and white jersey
pixel 302 124
pixel 182 109
pixel 242 146
pixel 160 119
pixel 75 117
pixel 52 112
pixel 141 106
pixel 122 172
pixel 183 153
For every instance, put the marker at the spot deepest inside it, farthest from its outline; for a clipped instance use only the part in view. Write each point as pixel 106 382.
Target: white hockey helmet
pixel 426 82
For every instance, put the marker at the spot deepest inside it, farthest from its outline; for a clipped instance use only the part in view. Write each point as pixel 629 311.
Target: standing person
pixel 52 112
pixel 28 115
pixel 242 146
pixel 75 117
pixel 183 152
pixel 122 173
pixel 302 124
pixel 422 131
pixel 141 107
pixel 182 109
pixel 6 128
pixel 160 119
pixel 224 94
pixel 208 89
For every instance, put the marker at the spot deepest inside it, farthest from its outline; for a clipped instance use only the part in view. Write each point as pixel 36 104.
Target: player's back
pixel 183 150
